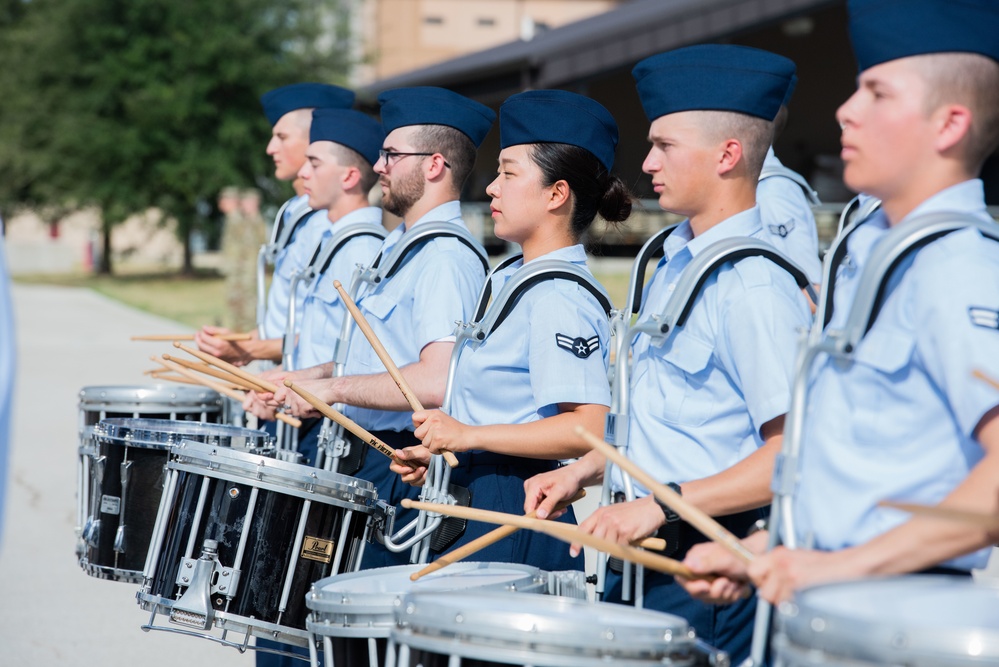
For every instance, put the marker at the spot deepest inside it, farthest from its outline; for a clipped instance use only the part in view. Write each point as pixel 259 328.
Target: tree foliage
pixel 131 104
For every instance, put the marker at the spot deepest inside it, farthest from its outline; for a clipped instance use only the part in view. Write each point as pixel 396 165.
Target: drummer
pixel 905 421
pixel 336 178
pixel 518 396
pixel 428 153
pixel 289 110
pixel 707 407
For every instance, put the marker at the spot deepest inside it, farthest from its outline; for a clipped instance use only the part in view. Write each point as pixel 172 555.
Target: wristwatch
pixel 670 531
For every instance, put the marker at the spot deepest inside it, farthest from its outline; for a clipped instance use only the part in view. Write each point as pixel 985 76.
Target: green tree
pixel 131 104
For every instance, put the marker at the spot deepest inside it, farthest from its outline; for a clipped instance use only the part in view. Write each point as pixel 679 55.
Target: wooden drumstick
pixel 259 384
pixel 985 378
pixel 346 422
pixel 688 512
pixel 172 337
pixel 564 532
pixel 207 369
pixel 383 354
pixel 167 376
pixel 225 391
pixel 984 520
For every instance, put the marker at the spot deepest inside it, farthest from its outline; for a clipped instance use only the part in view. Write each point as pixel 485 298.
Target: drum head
pixel 541 630
pixel 914 620
pixel 166 433
pixel 361 604
pixel 146 398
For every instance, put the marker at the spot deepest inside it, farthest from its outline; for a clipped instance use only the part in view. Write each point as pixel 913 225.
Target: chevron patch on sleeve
pixel 987 318
pixel 581 347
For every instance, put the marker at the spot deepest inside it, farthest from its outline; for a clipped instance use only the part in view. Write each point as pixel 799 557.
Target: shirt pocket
pixel 880 393
pixel 685 369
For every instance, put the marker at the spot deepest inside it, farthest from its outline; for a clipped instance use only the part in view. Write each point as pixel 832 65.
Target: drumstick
pixel 561 531
pixel 169 377
pixel 171 337
pixel 193 379
pixel 214 372
pixel 383 354
pixel 989 522
pixel 985 378
pixel 688 512
pixel 346 422
pixel 225 391
pixel 258 383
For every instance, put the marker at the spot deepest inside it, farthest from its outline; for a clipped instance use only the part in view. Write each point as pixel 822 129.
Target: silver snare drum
pixel 158 401
pixel 239 539
pixel 127 470
pixel 349 612
pixel 916 621
pixel 485 629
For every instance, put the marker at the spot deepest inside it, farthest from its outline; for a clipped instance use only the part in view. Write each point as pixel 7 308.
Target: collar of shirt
pixel 746 223
pixel 966 197
pixel 576 254
pixel 771 159
pixel 446 212
pixel 369 214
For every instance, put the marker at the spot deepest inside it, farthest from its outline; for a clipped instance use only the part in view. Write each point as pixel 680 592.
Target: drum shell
pixel 143 445
pixel 493 629
pixel 917 621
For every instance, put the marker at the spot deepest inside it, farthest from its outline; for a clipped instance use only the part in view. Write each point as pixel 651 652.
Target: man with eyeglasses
pixel 429 151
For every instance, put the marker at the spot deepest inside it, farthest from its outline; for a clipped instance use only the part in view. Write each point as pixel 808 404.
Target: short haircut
pixel 755 134
pixel 971 80
pixel 302 118
pixel 780 121
pixel 348 157
pixel 458 150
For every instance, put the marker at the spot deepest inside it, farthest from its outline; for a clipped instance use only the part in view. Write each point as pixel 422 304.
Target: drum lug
pixel 194 608
pixel 119 536
pixel 92 532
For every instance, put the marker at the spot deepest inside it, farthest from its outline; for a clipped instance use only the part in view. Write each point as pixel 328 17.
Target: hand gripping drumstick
pixel 171 337
pixel 564 532
pixel 383 354
pixel 264 385
pixel 225 391
pixel 984 520
pixel 346 422
pixel 688 512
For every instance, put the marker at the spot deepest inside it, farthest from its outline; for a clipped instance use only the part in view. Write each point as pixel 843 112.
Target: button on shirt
pixel 552 348
pixel 895 422
pixel 698 400
pixel 323 310
pixel 290 260
pixel 418 305
pixel 788 220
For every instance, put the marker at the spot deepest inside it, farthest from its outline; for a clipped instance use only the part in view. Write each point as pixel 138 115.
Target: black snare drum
pixel 127 469
pixel 240 539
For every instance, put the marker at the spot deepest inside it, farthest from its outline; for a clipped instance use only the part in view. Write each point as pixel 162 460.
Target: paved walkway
pixel 51 613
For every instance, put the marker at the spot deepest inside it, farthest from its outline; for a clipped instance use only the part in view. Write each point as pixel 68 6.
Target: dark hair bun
pixel 615 205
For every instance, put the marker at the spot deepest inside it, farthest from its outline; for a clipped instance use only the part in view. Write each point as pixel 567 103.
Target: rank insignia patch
pixel 987 318
pixel 782 230
pixel 581 347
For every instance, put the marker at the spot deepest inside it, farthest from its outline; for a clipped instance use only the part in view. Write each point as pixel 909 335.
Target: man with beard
pixel 429 150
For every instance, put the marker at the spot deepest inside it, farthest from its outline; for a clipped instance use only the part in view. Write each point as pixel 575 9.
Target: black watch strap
pixel 670 531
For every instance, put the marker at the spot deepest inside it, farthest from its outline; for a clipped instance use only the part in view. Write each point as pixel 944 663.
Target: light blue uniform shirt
pixel 521 372
pixel 897 423
pixel 699 400
pixel 322 309
pixel 290 260
pixel 788 220
pixel 8 354
pixel 418 305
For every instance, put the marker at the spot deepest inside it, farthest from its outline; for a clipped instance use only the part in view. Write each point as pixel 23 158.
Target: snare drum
pixel 126 482
pixel 353 613
pixel 136 401
pixel 240 538
pixel 485 629
pixel 916 621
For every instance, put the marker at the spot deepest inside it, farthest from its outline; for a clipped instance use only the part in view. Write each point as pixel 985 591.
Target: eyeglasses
pixel 391 157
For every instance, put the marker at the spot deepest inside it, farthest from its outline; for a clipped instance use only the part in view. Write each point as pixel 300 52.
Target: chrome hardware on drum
pixel 127 469
pixel 481 629
pixel 135 401
pixel 351 611
pixel 916 621
pixel 240 538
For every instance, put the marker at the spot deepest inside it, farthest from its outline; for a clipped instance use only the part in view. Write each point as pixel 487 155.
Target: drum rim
pixel 800 626
pixel 437 612
pixel 154 394
pixel 147 433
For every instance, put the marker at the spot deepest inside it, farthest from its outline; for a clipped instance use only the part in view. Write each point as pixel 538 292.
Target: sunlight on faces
pixel 402 180
pixel 321 174
pixel 289 139
pixel 518 197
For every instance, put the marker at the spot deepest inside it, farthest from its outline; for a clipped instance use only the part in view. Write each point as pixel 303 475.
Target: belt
pixel 949 571
pixel 479 459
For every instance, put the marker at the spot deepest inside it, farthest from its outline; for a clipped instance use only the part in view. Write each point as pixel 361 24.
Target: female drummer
pixel 517 397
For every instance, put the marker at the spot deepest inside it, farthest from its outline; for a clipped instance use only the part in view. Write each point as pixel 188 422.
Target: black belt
pixel 480 459
pixel 949 571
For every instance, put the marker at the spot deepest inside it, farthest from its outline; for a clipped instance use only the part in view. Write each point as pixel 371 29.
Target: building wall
pixel 402 35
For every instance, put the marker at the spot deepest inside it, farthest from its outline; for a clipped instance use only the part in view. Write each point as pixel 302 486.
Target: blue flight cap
pixel 426 105
pixel 558 116
pixel 280 101
pixel 713 77
pixel 353 129
pixel 792 84
pixel 883 30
